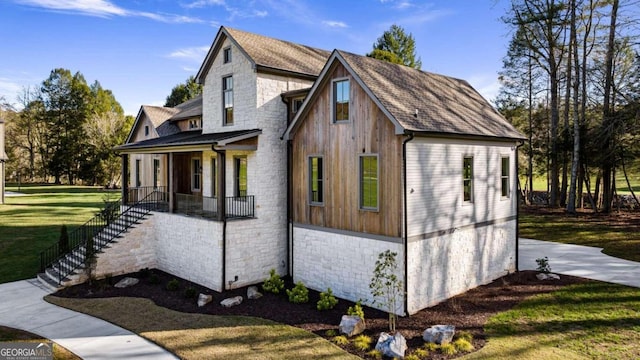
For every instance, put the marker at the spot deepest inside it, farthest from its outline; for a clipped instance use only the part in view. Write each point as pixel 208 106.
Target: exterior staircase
pixel 60 267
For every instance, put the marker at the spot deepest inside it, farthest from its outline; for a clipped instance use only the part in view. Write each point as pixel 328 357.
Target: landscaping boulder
pixel 253 293
pixel 236 300
pixel 126 282
pixel 393 346
pixel 547 276
pixel 439 334
pixel 204 299
pixel 351 325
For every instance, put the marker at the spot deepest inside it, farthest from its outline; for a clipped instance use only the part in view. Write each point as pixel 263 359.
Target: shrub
pixel 448 349
pixel 464 335
pixel 63 241
pixel 173 285
pixel 463 345
pixel 421 353
pixel 154 279
pixel 274 284
pixel 375 354
pixel 362 342
pixel 543 265
pixel 144 273
pixel 331 333
pixel 340 340
pixel 431 347
pixel 299 294
pixel 327 300
pixel 412 357
pixel 190 292
pixel 356 310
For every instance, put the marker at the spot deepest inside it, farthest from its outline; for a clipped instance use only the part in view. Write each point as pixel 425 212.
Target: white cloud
pixel 196 53
pixel 203 3
pixel 487 85
pixel 104 9
pixel 335 24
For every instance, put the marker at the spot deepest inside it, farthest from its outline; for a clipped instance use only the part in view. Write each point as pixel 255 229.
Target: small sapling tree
pixel 385 285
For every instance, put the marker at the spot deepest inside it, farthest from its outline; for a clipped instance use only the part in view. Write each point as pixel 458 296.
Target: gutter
pixel 289 197
pixel 405 238
pixel 521 142
pixel 222 194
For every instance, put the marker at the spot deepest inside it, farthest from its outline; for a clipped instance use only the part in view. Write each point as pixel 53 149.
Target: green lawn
pixel 31 223
pixel 540 183
pixel 593 320
pixel 8 334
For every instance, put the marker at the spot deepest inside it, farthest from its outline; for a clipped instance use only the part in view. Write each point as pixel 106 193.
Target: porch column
pixel 222 185
pixel 170 182
pixel 125 179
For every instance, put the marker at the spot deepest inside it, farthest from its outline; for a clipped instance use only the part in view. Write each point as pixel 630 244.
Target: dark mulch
pixel 468 311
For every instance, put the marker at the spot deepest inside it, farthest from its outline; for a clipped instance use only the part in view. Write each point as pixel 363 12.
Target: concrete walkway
pixel 22 307
pixel 584 261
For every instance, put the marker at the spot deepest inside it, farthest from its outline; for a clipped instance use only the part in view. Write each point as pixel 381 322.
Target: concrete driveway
pixel 584 261
pixel 22 307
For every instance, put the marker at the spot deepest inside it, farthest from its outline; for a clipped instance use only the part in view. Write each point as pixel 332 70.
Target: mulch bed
pixel 469 311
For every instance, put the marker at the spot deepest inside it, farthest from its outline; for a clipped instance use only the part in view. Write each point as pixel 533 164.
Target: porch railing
pixel 155 196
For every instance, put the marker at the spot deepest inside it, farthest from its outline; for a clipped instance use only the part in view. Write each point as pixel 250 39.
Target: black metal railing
pixel 240 207
pixel 156 196
pixel 193 205
pixel 111 221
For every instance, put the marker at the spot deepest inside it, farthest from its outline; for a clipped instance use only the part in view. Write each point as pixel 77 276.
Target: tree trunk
pixel 575 164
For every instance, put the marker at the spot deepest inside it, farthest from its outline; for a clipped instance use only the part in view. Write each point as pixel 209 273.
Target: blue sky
pixel 140 49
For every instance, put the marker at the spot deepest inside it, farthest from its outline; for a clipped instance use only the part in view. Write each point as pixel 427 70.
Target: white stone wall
pixel 342 262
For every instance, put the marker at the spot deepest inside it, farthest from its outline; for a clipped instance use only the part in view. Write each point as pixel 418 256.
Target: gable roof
pixel 188 109
pixel 418 101
pixel 156 114
pixel 268 54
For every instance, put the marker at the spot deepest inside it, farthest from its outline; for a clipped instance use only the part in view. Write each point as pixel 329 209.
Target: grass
pixel 31 223
pixel 540 183
pixel 10 335
pixel 615 235
pixel 198 336
pixel 592 320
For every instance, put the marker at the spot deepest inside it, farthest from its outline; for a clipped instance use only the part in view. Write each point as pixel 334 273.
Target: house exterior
pixel 3 159
pixel 312 163
pixel 386 157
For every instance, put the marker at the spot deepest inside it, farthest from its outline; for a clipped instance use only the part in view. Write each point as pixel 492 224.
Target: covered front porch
pixel 200 175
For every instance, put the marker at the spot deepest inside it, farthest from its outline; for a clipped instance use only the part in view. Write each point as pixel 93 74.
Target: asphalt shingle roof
pixel 188 109
pixel 191 137
pixel 443 104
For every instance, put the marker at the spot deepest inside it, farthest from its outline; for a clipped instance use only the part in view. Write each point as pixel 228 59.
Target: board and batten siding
pixel 369 131
pixel 434 184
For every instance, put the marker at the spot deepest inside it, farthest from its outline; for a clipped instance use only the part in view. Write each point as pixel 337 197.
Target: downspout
pixel 518 210
pixel 405 240
pixel 289 197
pixel 222 211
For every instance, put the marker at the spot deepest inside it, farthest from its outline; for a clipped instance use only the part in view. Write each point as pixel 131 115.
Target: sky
pixel 141 49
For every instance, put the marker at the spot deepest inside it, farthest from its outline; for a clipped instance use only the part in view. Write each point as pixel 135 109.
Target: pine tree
pixel 396 46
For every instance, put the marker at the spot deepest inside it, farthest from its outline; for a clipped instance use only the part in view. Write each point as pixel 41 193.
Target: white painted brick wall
pixel 342 262
pixel 448 265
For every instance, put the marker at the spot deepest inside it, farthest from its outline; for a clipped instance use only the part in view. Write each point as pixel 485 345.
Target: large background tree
pixel 396 46
pixel 183 92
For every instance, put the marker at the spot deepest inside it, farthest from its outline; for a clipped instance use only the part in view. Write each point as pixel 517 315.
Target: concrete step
pixel 48 283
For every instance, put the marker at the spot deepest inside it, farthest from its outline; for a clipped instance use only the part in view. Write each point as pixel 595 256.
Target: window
pixel 194 124
pixel 226 54
pixel 467 178
pixel 341 100
pixel 315 180
pixel 504 177
pixel 196 174
pixel 214 177
pixel 156 172
pixel 297 104
pixel 138 174
pixel 369 182
pixel 227 98
pixel 241 176
pixel 146 130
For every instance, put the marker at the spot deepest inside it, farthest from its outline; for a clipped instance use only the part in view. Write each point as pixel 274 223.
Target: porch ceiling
pixel 187 141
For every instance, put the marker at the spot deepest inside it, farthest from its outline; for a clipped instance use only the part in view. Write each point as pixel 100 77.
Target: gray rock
pixel 351 325
pixel 253 293
pixel 126 282
pixel 236 300
pixel 392 346
pixel 439 334
pixel 549 276
pixel 204 299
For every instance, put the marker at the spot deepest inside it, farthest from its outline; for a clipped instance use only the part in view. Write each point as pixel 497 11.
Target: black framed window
pixel 369 182
pixel 316 190
pixel 156 172
pixel 214 177
pixel 138 173
pixel 504 177
pixel 467 178
pixel 341 100
pixel 227 100
pixel 196 174
pixel 226 54
pixel 240 176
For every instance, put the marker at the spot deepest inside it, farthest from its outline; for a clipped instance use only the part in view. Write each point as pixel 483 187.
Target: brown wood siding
pixel 182 172
pixel 369 131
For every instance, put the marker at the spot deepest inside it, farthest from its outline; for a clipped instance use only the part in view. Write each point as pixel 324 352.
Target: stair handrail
pixel 90 229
